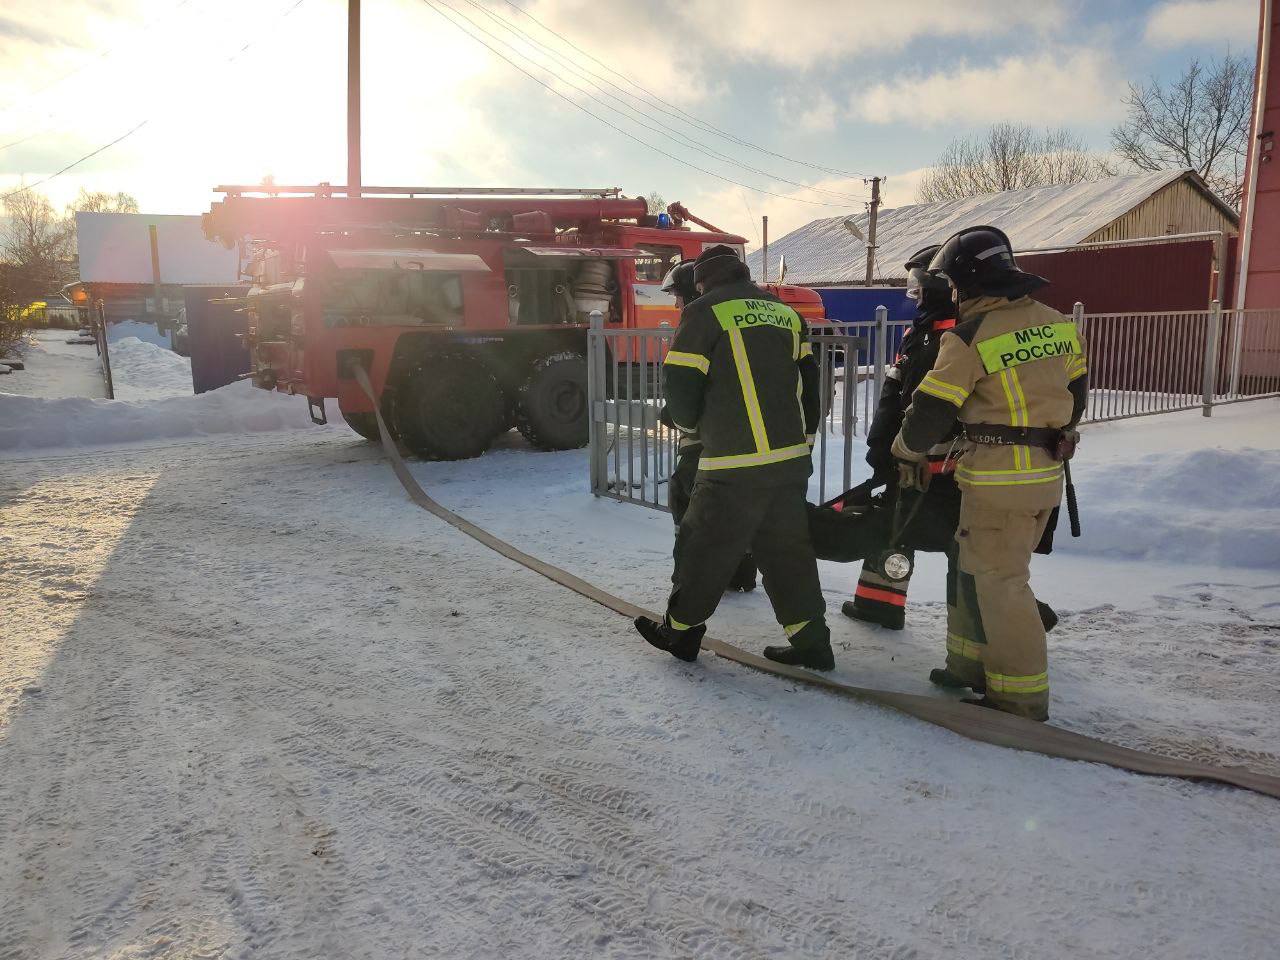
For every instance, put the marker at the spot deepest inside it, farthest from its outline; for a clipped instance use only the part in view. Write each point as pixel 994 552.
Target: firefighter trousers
pixel 680 492
pixel 726 519
pixel 994 629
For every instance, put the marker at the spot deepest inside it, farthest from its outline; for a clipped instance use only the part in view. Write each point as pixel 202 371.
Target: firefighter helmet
pixel 920 282
pixel 979 261
pixel 679 281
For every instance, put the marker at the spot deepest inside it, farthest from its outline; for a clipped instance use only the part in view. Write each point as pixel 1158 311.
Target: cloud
pixel 1048 89
pixel 17 30
pixel 1200 21
pixel 800 33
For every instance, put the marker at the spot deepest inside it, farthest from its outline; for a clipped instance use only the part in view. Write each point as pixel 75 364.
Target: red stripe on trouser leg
pixel 882 596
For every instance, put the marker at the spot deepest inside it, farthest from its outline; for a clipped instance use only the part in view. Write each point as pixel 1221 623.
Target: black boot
pixel 890 619
pixel 681 644
pixel 810 648
pixel 942 677
pixel 1047 616
pixel 744 578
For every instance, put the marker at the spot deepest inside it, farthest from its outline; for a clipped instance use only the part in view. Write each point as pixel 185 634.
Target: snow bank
pixel 1213 506
pixel 28 423
pixel 141 370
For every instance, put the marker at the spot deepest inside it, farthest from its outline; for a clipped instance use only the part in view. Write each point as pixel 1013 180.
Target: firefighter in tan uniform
pixel 1013 373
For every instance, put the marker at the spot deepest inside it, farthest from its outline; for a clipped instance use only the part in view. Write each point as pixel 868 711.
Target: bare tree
pixel 1200 120
pixel 655 203
pixel 1010 156
pixel 36 243
pixel 88 201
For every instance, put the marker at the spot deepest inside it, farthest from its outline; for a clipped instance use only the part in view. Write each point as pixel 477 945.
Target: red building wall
pixel 1152 277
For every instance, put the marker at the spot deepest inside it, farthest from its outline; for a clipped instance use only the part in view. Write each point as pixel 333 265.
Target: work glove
pixel 913 475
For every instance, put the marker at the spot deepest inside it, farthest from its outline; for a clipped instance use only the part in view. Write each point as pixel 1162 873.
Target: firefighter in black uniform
pixel 679 283
pixel 741 374
pixel 877 599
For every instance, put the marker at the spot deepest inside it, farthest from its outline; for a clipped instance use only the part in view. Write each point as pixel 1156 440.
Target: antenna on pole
pixel 353 98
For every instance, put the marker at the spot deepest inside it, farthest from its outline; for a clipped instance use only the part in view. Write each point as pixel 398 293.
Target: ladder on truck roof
pixel 338 190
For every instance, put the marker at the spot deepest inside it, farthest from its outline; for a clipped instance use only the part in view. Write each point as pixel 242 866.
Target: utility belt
pixel 1060 443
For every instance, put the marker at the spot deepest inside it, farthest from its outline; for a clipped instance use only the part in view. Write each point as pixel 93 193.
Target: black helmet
pixel 719 265
pixel 979 262
pixel 679 281
pixel 920 282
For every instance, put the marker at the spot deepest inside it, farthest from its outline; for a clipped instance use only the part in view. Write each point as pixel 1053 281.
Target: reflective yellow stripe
pixel 754 459
pixel 964 648
pixel 748 384
pixel 943 391
pixel 806 349
pixel 1007 386
pixel 1007 478
pixel 793 628
pixel 1000 683
pixel 1076 367
pixel 1019 450
pixel 698 362
pixel 675 624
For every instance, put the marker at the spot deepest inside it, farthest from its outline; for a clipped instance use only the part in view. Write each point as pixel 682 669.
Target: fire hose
pixel 985 726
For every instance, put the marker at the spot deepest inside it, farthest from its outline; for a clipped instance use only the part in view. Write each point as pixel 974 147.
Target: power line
pixel 697 145
pixel 673 108
pixel 106 146
pixel 101 55
pixel 74 163
pixel 626 133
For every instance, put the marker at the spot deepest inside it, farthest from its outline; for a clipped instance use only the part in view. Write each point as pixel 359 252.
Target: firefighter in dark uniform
pixel 679 283
pixel 877 599
pixel 741 374
pixel 1012 373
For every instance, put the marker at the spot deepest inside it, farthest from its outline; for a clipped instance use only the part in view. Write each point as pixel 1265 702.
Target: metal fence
pixel 632 452
pixel 1139 364
pixel 1146 363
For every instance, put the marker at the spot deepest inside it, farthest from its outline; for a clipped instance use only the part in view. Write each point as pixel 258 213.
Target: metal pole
pixel 1212 334
pixel 353 98
pixel 101 324
pixel 1255 157
pixel 871 229
pixel 764 232
pixel 595 398
pixel 881 350
pixel 155 267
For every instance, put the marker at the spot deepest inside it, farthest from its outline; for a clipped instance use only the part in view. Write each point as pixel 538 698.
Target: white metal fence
pixel 1139 364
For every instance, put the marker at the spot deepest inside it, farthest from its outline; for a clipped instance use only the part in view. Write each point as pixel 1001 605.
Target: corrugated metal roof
pixel 824 251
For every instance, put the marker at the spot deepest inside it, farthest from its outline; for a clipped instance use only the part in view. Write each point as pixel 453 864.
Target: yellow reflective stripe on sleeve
pixel 697 361
pixel 1076 367
pixel 1000 683
pixel 964 648
pixel 754 459
pixel 752 402
pixel 806 349
pixel 793 628
pixel 943 391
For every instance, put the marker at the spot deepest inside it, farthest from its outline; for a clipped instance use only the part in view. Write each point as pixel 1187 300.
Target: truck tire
pixel 449 408
pixel 365 424
pixel 553 410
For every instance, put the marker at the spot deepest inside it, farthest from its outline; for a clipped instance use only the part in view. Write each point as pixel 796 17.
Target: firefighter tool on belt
pixel 1012 375
pixel 741 374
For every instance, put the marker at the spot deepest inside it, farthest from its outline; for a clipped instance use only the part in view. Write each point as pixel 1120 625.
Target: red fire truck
pixel 468 308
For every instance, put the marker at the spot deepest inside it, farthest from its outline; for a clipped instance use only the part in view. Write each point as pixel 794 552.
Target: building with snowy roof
pixel 1170 202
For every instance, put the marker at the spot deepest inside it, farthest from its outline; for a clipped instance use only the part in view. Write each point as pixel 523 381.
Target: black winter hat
pixel 719 264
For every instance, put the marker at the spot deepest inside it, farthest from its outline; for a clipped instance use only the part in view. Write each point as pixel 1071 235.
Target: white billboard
pixel 116 248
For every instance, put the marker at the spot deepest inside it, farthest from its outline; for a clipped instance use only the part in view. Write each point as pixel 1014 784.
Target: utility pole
pixel 874 208
pixel 764 226
pixel 353 98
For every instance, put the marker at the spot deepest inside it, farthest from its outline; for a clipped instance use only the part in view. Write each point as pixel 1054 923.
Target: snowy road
pixel 252 703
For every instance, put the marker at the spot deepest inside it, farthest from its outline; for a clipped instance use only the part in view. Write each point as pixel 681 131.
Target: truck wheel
pixel 365 424
pixel 553 410
pixel 450 408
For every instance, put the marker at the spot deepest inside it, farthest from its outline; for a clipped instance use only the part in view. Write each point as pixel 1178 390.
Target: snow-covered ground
pixel 55 368
pixel 254 703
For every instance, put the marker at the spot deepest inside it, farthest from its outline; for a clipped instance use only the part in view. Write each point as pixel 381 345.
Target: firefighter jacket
pixel 741 374
pixel 1014 363
pixel 916 357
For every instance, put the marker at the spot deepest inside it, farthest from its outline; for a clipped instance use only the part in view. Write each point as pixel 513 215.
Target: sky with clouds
pixel 737 107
